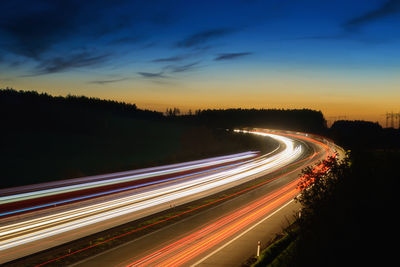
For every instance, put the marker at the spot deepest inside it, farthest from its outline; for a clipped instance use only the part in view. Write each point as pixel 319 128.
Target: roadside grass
pixel 89 246
pixel 281 259
pixel 278 249
pixel 275 247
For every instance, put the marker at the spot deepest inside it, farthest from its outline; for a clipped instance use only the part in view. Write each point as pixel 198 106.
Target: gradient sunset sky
pixel 340 57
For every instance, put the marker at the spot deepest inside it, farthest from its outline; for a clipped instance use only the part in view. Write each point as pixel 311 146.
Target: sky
pixel 341 57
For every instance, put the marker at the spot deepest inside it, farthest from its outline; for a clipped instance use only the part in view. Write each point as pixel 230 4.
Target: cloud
pixel 173 68
pixel 35 28
pixel 65 63
pixel 181 68
pixel 101 82
pixel 317 37
pixel 389 8
pixel 49 26
pixel 152 74
pixel 229 56
pixel 203 37
pixel 169 59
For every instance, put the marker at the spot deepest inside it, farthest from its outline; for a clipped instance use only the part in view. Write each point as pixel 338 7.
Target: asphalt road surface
pixel 31 221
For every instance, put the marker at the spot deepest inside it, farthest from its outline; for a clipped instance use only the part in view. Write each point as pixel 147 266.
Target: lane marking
pixel 243 233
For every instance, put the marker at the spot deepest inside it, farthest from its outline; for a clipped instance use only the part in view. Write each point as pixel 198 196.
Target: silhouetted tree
pixel 358 134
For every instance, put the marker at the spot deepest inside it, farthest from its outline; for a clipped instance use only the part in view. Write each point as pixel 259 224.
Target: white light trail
pixel 29 230
pixel 128 178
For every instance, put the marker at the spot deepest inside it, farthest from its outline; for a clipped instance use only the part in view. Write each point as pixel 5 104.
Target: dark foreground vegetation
pixel 364 135
pixel 349 215
pixel 45 138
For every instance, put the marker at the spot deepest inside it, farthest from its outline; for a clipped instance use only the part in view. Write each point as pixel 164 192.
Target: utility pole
pixel 387 118
pixel 392 120
pixel 398 120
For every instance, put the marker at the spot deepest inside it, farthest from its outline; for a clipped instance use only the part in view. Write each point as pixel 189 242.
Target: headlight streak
pixel 117 190
pixel 156 192
pixel 65 189
pixel 159 197
pixel 163 195
pixel 182 251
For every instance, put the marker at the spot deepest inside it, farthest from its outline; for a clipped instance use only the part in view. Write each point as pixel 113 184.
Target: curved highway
pixel 202 246
pixel 38 217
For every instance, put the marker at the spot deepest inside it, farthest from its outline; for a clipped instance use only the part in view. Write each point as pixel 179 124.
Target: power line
pixel 392 118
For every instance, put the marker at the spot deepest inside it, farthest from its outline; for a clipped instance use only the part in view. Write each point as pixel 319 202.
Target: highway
pixel 15 201
pixel 83 206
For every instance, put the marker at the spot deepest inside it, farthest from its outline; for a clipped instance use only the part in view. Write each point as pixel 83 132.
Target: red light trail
pixel 193 245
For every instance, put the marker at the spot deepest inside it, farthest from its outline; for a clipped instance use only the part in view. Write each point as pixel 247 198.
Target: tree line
pixel 364 134
pixel 71 112
pixel 46 137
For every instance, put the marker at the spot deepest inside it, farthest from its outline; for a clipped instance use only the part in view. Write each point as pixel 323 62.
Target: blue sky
pixel 341 57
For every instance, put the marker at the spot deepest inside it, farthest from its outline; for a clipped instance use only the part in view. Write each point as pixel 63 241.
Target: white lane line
pixel 231 241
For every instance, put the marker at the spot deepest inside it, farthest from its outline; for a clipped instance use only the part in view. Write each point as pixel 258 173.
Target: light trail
pixel 32 230
pixel 126 178
pixel 100 212
pixel 196 208
pixel 50 204
pixel 186 249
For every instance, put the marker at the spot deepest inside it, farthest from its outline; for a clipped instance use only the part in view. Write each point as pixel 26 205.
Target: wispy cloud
pixel 202 37
pixel 152 74
pixel 68 62
pixel 317 37
pixel 229 56
pixel 389 8
pixel 101 82
pixel 181 68
pixel 35 31
pixel 169 59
